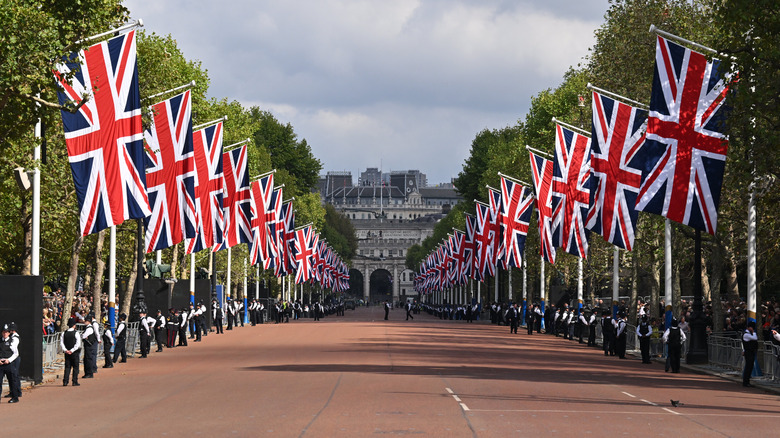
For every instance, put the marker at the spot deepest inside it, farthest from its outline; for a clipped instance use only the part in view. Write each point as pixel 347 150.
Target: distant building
pixel 388 219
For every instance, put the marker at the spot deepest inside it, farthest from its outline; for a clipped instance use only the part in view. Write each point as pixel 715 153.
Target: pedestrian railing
pixel 725 351
pixel 51 350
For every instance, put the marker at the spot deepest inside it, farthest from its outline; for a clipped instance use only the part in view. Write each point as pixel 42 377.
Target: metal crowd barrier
pixel 51 351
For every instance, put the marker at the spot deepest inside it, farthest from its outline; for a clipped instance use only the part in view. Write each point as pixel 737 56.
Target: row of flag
pixel 668 161
pixel 178 180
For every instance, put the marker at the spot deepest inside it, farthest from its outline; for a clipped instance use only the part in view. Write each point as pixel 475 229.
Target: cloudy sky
pixel 405 84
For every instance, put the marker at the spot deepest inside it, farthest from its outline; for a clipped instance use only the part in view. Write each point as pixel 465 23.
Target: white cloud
pixel 399 80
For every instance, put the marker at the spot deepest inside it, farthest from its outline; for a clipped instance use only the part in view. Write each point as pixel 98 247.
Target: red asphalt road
pixel 359 376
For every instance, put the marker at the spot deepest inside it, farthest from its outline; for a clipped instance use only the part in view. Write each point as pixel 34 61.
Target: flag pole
pixel 172 90
pixel 213 122
pixel 241 143
pixel 672 36
pixel 304 226
pixel 513 179
pixel 139 22
pixel 572 127
pixel 544 154
pixel 262 175
pixel 616 96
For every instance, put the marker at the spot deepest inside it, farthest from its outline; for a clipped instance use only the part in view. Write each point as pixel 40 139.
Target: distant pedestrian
pixel 643 332
pixel 387 310
pixel 409 310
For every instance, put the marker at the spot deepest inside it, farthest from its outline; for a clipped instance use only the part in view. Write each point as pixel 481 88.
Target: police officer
pixel 108 342
pixel 608 332
pixel 592 323
pixel 70 341
pixel 144 331
pixel 172 327
pixel 159 330
pixel 192 320
pixel 231 314
pixel 183 322
pixel 643 332
pixel 387 310
pixel 620 336
pixel 121 337
pixel 216 315
pixel 673 338
pixel 15 340
pixel 8 354
pixel 90 340
pixel 749 350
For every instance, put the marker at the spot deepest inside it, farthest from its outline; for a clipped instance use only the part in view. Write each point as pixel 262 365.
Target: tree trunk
pixel 706 293
pixel 676 295
pixel 718 262
pixel 128 297
pixel 97 282
pixel 70 292
pixel 732 285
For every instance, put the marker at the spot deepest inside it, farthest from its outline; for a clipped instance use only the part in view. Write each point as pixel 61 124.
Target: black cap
pixel 71 322
pixel 12 326
pixel 5 328
pixel 122 316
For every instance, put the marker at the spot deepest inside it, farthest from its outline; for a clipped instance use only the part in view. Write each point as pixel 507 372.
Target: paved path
pixel 359 376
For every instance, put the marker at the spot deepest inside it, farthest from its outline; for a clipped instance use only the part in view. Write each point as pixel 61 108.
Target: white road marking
pixel 465 408
pixel 630 395
pixel 456 398
pixel 669 410
pixel 449 390
pixel 648 402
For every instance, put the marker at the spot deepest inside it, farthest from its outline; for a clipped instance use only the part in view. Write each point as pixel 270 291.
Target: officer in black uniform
pixel 15 340
pixel 159 331
pixel 643 332
pixel 8 354
pixel 513 317
pixel 144 332
pixel 608 332
pixel 231 315
pixel 216 314
pixel 108 342
pixel 172 327
pixel 71 347
pixel 673 338
pixel 120 347
pixel 90 339
pixel 183 322
pixel 592 323
pixel 750 348
pixel 620 336
pixel 387 310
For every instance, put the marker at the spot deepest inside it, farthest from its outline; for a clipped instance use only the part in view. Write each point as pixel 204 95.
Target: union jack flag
pixel 285 236
pixel 517 205
pixel 685 154
pixel 542 173
pixel 457 244
pixel 571 185
pixel 208 188
pixel 485 238
pixel 272 216
pixel 318 260
pixel 104 136
pixel 469 247
pixel 305 244
pixel 618 136
pixel 170 175
pixel 494 201
pixel 236 199
pixel 260 199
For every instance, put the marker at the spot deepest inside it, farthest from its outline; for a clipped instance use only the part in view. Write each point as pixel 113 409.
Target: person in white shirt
pixel 9 352
pixel 70 342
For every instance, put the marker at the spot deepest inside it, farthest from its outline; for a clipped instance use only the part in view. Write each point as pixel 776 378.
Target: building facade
pixel 389 217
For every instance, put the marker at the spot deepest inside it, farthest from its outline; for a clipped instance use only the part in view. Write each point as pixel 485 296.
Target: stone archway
pixel 381 286
pixel 356 283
